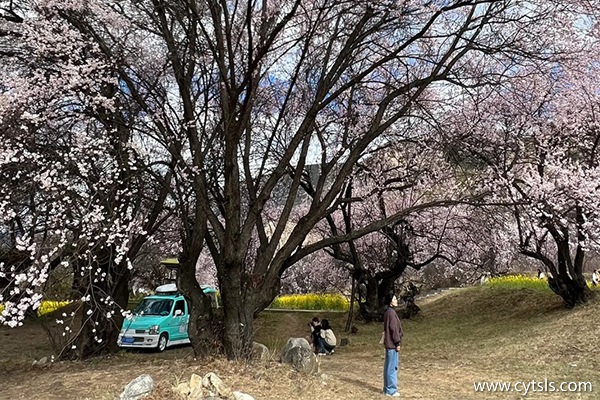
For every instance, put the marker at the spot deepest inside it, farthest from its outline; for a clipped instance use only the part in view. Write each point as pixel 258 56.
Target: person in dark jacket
pixel 392 339
pixel 315 329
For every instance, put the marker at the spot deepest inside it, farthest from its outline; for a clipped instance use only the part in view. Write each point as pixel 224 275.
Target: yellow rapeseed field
pixel 46 307
pixel 519 281
pixel 312 301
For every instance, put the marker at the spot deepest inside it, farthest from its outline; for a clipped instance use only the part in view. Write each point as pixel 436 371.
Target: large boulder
pixel 291 343
pixel 138 388
pixel 303 360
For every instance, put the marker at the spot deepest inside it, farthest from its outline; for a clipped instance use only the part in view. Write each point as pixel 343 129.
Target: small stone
pixel 41 362
pixel 260 352
pixel 197 394
pixel 195 382
pixel 183 390
pixel 242 396
pixel 141 386
pixel 215 386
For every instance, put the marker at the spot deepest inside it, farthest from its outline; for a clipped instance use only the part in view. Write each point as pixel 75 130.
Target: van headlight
pixel 154 329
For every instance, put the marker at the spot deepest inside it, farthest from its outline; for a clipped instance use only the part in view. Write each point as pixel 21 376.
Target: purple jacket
pixel 392 329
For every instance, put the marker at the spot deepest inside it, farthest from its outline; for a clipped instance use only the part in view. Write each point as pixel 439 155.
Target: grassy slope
pixel 507 334
pixel 463 336
pixel 468 335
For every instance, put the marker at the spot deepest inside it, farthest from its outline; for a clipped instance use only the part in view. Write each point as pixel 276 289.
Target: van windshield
pixel 154 307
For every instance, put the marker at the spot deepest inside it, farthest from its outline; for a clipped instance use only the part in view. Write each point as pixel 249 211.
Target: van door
pixel 178 324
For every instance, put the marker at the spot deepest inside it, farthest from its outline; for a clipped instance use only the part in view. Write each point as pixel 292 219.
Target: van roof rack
pixel 169 288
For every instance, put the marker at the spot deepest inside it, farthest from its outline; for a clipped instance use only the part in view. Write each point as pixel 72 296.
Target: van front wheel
pixel 162 342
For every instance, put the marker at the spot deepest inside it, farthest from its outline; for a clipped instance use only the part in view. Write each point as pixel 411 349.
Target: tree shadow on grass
pixel 363 384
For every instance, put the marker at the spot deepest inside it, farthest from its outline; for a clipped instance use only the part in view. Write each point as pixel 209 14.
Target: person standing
pixel 392 339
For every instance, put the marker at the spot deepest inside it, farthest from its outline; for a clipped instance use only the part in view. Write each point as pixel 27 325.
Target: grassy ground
pixel 463 336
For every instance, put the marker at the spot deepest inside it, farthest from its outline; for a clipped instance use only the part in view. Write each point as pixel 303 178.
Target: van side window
pixel 179 305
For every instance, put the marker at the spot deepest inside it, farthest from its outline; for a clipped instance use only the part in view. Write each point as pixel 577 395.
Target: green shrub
pixel 312 301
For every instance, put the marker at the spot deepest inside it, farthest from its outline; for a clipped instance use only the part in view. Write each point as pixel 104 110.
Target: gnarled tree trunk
pixel 566 274
pixel 574 291
pixel 203 326
pixel 100 320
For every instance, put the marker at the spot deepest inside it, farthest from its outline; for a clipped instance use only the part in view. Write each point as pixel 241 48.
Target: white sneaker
pixel 397 394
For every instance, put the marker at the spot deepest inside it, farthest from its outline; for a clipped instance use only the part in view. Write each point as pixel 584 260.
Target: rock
pixel 214 386
pixel 298 353
pixel 198 394
pixel 242 396
pixel 141 386
pixel 353 330
pixel 41 362
pixel 303 360
pixel 195 382
pixel 344 341
pixel 291 343
pixel 183 390
pixel 260 352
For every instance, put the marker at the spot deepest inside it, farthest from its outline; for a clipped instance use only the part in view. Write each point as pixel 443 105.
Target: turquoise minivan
pixel 160 320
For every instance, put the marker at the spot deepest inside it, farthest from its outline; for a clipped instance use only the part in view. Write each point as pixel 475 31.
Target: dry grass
pixel 463 336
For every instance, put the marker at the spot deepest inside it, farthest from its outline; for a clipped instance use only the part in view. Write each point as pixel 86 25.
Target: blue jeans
pixel 323 346
pixel 390 371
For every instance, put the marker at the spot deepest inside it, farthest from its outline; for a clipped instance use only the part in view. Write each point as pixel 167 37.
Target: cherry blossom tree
pixel 537 141
pixel 75 179
pixel 232 101
pixel 317 273
pixel 443 222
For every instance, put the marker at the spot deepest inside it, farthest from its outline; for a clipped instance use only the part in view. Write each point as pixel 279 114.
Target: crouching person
pixel 315 329
pixel 327 340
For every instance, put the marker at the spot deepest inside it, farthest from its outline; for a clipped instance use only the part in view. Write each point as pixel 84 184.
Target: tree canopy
pixel 117 116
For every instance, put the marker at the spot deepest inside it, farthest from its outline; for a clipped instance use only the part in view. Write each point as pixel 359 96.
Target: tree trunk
pixel 238 318
pixel 351 308
pixel 243 296
pixel 566 278
pixel 369 309
pixel 377 286
pixel 98 333
pixel 202 327
pixel 372 309
pixel 573 291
